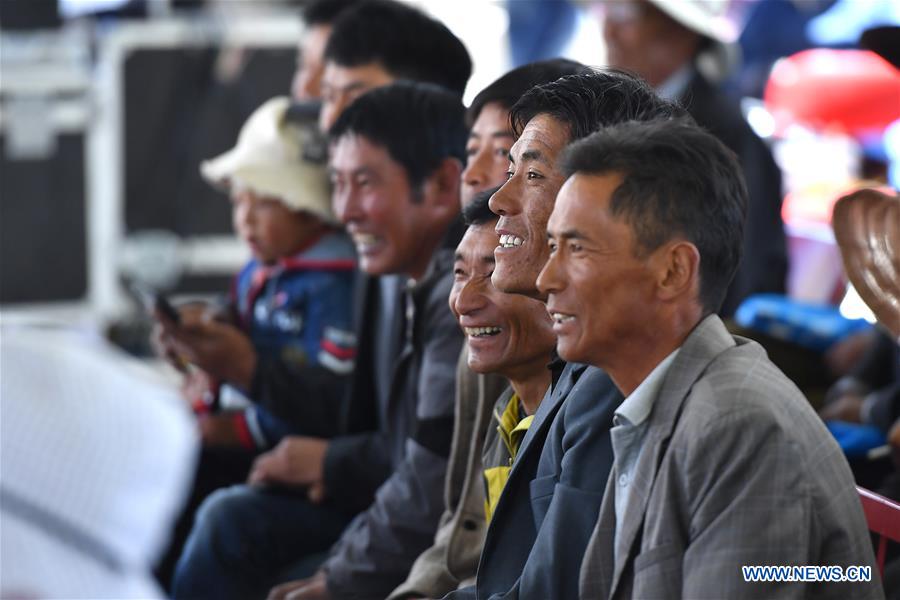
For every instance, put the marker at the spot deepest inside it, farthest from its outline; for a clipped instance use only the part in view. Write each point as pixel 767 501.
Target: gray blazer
pixel 736 469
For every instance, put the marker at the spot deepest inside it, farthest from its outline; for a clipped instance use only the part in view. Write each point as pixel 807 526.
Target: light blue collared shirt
pixel 630 428
pixel 673 87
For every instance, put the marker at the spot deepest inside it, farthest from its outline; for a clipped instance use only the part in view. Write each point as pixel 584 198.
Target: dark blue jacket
pixel 543 521
pixel 298 314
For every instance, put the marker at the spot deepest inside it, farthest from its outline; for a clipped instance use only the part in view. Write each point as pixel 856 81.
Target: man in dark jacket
pixel 397 158
pixel 677 47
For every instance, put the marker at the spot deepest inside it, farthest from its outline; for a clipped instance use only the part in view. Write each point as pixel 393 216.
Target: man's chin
pixel 373 266
pixel 568 352
pixel 510 281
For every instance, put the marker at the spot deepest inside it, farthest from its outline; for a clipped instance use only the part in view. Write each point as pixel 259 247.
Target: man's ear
pixel 442 186
pixel 679 270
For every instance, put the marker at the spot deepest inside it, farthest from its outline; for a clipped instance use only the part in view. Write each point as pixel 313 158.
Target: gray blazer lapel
pixel 596 575
pixel 708 339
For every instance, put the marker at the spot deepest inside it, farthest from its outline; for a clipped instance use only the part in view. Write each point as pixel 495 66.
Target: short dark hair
pixel 324 12
pixel 509 87
pixel 588 101
pixel 477 211
pixel 419 124
pixel 403 40
pixel 677 179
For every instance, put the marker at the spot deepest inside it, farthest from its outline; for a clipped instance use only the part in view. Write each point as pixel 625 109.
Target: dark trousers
pixel 245 538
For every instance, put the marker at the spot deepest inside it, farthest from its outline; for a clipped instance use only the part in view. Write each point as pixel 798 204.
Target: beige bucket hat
pixel 867 228
pixel 268 159
pixel 706 17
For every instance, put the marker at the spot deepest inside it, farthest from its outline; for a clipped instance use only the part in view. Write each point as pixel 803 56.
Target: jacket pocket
pixel 657 572
pixel 541 491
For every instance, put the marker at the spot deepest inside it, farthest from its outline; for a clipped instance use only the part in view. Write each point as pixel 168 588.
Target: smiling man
pixel 720 462
pixel 396 161
pixel 397 158
pixel 539 529
pixel 508 334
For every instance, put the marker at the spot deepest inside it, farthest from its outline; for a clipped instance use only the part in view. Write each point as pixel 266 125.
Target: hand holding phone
pixel 155 302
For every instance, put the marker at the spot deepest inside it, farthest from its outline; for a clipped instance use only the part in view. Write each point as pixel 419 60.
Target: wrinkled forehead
pixel 543 135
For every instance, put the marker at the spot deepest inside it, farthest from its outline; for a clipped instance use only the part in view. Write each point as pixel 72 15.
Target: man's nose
pixel 475 173
pixel 549 280
pixel 503 202
pixel 469 299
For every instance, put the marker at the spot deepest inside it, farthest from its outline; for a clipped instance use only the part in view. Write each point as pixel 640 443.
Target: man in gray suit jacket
pixel 719 461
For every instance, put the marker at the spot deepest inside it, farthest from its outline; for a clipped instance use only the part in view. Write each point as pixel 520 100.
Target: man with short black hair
pixel 318 16
pixel 720 462
pixel 379 41
pixel 396 162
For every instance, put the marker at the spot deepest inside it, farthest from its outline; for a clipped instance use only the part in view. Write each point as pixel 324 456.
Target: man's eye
pixel 534 175
pixel 502 152
pixel 552 246
pixel 472 151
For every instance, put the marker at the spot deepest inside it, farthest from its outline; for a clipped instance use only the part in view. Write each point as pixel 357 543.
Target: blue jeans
pixel 245 537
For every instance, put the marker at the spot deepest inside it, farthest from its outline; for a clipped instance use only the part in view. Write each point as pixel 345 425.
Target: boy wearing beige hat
pixel 292 299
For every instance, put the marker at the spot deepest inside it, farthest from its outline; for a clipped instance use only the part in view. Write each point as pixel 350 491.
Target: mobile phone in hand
pixel 156 302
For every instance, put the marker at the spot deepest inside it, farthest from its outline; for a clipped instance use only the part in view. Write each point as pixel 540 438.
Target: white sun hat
pixel 268 160
pixel 95 463
pixel 706 17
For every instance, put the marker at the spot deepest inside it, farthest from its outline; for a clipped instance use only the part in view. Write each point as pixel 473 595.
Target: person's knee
pixel 224 506
pixel 220 531
pixel 228 522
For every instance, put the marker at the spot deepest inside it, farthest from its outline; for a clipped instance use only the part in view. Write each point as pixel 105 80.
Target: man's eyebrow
pixel 493 135
pixel 535 155
pixel 568 234
pixel 457 257
pixel 489 259
pixel 364 170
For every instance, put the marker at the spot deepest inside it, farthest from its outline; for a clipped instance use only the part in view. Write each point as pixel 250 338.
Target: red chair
pixel 883 517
